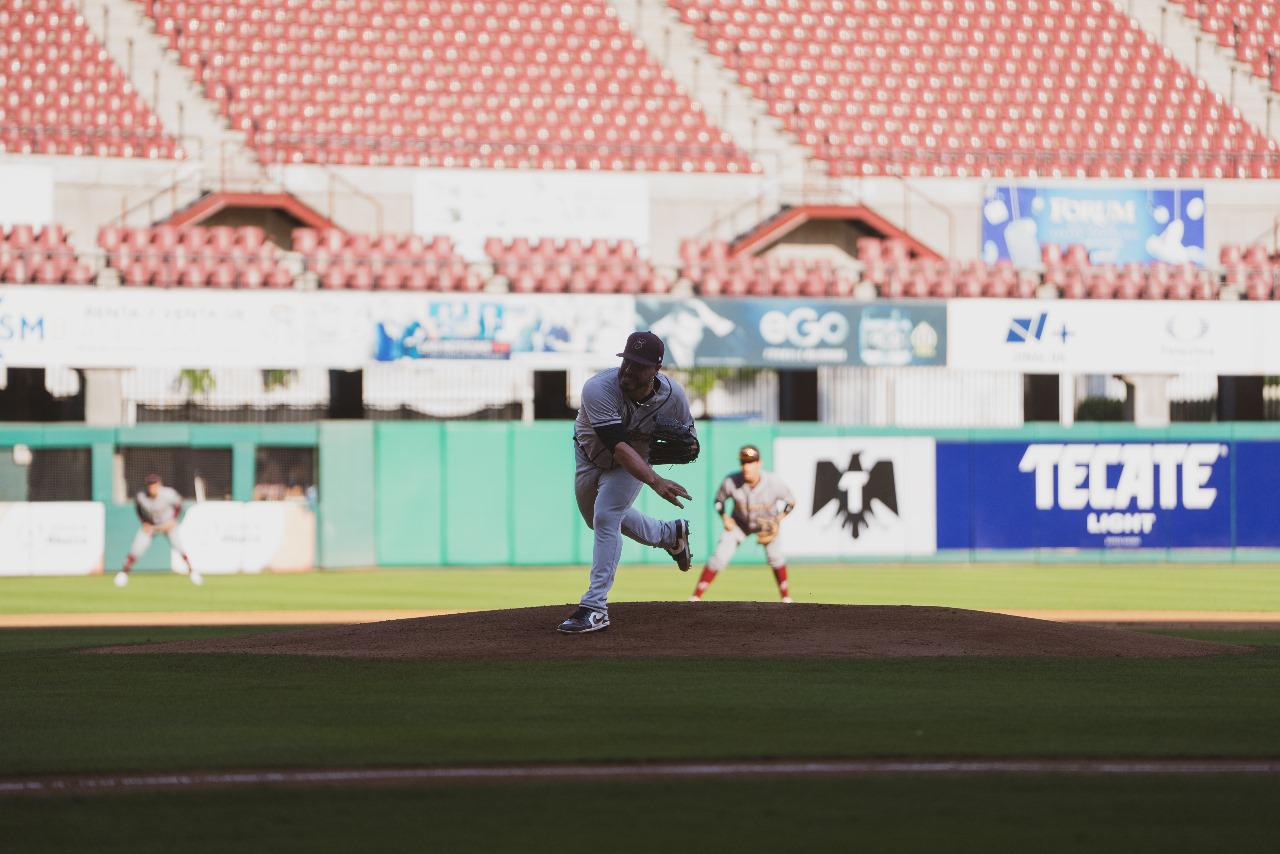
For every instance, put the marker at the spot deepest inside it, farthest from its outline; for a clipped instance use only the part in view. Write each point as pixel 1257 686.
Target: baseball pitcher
pixel 631 418
pixel 158 507
pixel 761 500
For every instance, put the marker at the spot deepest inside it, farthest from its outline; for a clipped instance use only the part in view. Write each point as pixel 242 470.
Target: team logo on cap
pixel 639 345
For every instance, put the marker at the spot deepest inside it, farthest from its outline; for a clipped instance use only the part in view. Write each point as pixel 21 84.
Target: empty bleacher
pixel 194 257
pixel 454 83
pixel 387 262
pixel 1250 29
pixel 40 255
pixel 60 93
pixel 979 87
pixel 572 266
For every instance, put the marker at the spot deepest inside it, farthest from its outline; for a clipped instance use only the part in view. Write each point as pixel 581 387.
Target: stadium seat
pixel 535 84
pixel 985 87
pixel 61 94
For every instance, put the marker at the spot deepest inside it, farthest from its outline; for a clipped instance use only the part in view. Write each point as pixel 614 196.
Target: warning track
pixel 621 771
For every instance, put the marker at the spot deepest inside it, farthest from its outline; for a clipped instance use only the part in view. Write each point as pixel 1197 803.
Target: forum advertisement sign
pixel 1116 226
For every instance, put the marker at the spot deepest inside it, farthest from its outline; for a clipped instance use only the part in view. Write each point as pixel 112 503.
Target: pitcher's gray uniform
pixel 766 500
pixel 605 490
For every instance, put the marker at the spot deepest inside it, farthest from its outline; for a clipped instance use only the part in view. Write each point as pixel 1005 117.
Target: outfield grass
pixel 68 712
pixel 1086 587
pixel 1137 815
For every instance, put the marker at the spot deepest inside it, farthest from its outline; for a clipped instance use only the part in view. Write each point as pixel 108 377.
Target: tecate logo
pixel 804 327
pixel 1079 476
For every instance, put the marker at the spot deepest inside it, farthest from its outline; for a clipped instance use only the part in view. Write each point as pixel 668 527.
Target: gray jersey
pixel 604 403
pixel 769 497
pixel 160 510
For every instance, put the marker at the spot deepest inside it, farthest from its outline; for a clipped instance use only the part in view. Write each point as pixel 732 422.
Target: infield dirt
pixel 709 630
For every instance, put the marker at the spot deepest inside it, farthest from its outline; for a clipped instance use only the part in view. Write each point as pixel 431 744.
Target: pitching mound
pixel 709 630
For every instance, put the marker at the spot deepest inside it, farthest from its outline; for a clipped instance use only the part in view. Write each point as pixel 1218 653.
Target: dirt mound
pixel 709 630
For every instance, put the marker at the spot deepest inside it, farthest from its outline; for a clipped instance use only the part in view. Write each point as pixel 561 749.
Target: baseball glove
pixel 672 442
pixel 768 531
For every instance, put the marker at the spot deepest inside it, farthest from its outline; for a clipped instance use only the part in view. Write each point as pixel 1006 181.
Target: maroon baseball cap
pixel 644 348
pixel 152 478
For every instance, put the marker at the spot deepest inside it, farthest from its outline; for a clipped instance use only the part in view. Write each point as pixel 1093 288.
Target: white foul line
pixel 629 771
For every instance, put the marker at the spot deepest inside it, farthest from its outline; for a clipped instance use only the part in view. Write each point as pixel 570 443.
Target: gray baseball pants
pixel 142 540
pixel 604 500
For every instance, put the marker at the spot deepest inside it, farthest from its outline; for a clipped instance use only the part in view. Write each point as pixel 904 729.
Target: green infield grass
pixel 1136 815
pixel 68 712
pixel 1176 587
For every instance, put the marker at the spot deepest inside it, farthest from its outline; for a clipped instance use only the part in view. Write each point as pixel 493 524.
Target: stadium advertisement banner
pixel 223 537
pixel 52 537
pixel 1116 225
pixel 791 333
pixel 124 328
pixel 86 327
pixel 553 329
pixel 859 496
pixel 1085 495
pixel 1105 336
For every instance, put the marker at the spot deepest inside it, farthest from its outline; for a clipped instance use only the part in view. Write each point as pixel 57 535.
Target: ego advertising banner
pixel 1117 225
pixel 1085 495
pixel 858 496
pixel 796 333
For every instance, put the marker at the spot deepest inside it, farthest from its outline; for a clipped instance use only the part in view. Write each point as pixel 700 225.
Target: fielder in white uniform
pixel 761 500
pixel 158 507
pixel 620 407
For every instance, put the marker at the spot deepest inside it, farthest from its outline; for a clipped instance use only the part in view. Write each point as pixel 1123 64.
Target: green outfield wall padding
pixel 544 514
pixel 346 507
pixel 409 498
pixel 478 495
pixel 243 470
pixel 122 525
pixel 102 464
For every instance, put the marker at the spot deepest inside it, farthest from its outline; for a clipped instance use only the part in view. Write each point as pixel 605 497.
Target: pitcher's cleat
pixel 584 620
pixel 680 552
pixel 694 599
pixel 196 578
pixel 121 579
pixel 786 600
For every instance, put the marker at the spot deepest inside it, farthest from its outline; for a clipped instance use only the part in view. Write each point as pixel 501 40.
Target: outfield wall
pixel 396 494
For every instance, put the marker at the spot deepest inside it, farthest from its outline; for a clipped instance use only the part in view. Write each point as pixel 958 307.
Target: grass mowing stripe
pixel 1085 587
pixel 76 713
pixel 1139 815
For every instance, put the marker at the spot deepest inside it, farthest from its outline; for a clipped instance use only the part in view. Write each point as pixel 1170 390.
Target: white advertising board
pixel 52 537
pixel 859 496
pixel 224 537
pixel 472 205
pixel 125 328
pixel 1112 336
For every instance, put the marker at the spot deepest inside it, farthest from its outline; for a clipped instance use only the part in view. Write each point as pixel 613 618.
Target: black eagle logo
pixel 854 489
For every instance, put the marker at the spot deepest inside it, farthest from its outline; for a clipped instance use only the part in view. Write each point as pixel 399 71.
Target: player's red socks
pixel 128 563
pixel 780 575
pixel 708 576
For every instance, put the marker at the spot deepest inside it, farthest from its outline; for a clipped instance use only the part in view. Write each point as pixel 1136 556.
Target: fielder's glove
pixel 768 531
pixel 672 442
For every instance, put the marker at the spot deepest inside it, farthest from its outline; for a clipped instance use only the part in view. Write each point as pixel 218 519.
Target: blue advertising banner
pixel 787 333
pixel 1116 225
pixel 1257 471
pixel 1086 495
